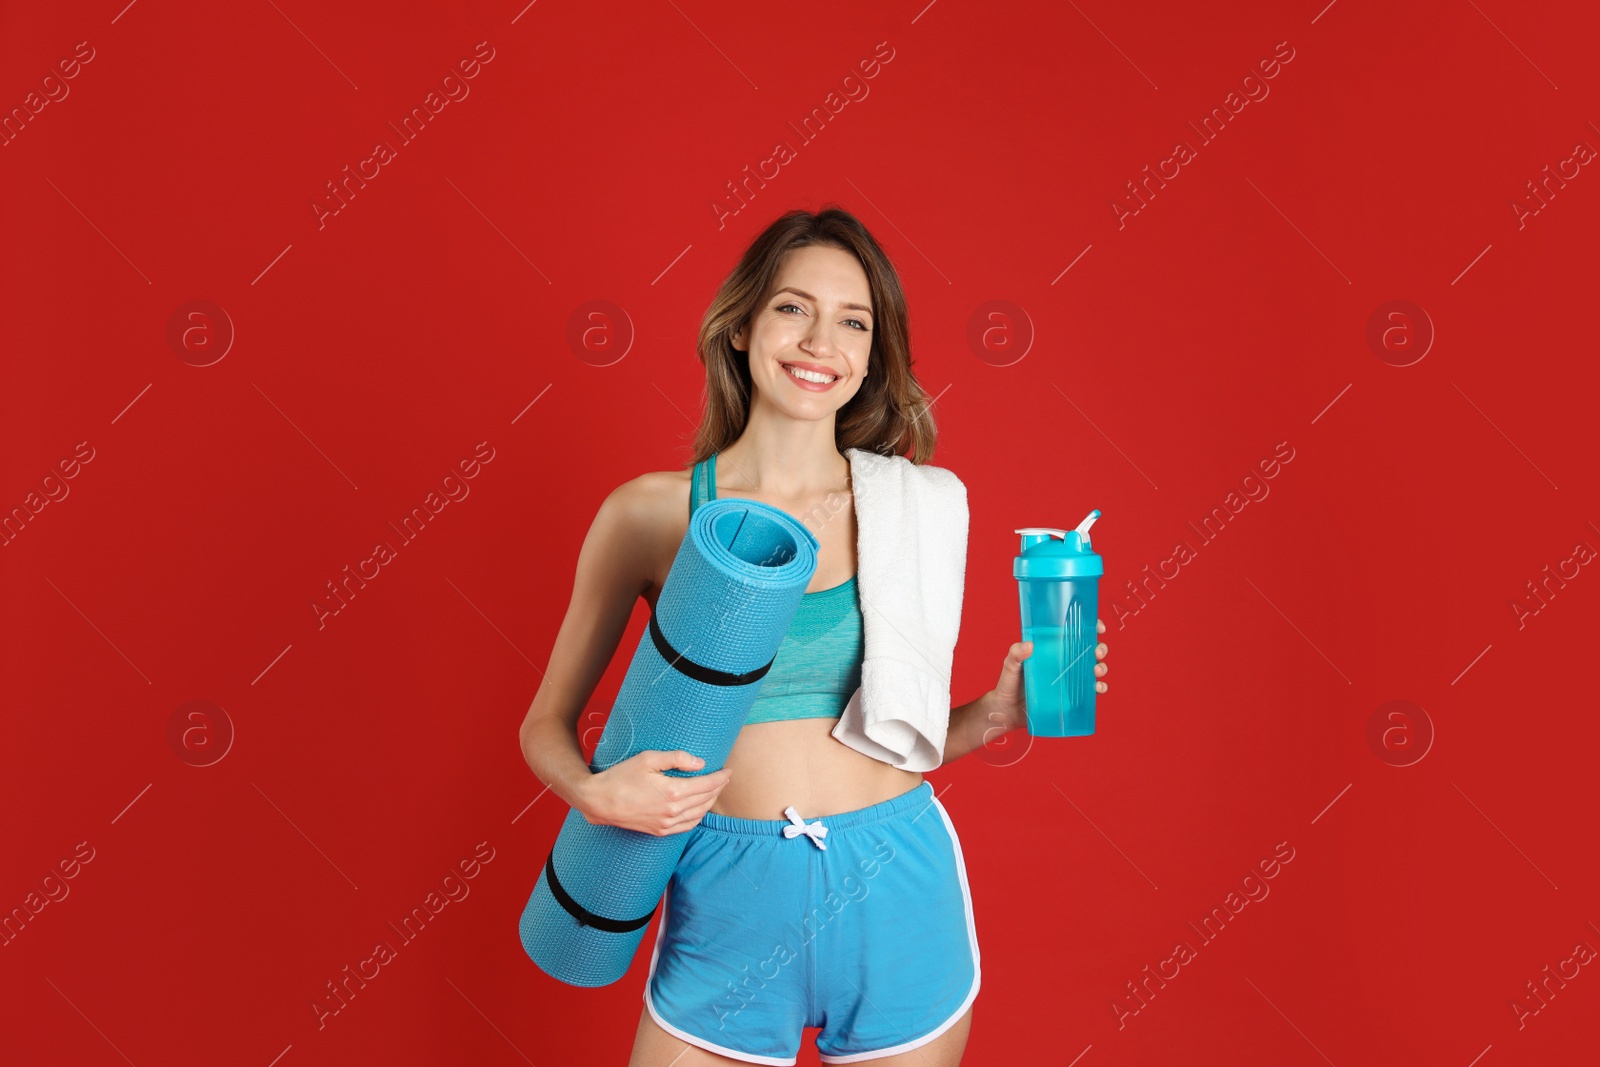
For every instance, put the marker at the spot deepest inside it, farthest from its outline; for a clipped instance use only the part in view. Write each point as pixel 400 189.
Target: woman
pixel 773 924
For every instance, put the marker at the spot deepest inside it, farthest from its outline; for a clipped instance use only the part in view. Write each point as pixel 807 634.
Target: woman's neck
pixel 799 460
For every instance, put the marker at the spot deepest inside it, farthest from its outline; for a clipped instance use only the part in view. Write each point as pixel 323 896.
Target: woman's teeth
pixel 809 376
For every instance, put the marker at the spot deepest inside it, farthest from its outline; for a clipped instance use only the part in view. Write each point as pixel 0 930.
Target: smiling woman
pixel 838 309
pixel 808 375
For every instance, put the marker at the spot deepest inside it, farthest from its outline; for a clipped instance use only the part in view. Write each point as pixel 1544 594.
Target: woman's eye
pixel 860 325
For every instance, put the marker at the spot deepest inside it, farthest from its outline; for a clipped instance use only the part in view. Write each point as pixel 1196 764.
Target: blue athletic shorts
pixel 859 923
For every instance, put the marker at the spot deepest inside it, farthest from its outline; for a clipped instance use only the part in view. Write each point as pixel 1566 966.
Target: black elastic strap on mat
pixel 709 675
pixel 584 916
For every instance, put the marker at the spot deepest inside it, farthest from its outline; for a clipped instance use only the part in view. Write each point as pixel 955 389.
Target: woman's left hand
pixel 1010 702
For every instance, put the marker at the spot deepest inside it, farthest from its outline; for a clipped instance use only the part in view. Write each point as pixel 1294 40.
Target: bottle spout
pixel 1083 527
pixel 1034 535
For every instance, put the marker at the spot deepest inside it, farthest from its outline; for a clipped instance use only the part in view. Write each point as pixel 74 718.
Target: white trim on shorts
pixel 683 1035
pixel 972 938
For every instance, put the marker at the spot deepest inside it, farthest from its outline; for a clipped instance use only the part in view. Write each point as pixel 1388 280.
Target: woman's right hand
pixel 635 795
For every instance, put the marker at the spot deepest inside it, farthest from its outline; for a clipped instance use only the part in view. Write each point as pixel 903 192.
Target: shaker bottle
pixel 1058 580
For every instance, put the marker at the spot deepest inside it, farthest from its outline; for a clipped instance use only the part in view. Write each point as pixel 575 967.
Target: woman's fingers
pixel 1011 669
pixel 1100 651
pixel 691 818
pixel 702 785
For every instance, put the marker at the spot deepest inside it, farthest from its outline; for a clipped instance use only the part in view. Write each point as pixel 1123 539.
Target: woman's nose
pixel 819 339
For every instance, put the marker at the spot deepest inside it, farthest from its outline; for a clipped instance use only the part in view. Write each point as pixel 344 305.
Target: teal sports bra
pixel 818 665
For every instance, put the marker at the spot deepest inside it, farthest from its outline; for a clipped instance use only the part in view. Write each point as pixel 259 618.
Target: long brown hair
pixel 889 413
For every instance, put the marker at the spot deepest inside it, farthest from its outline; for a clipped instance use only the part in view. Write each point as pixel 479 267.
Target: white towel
pixel 911 547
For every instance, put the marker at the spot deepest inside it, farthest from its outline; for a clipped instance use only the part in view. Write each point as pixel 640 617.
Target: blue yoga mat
pixel 730 596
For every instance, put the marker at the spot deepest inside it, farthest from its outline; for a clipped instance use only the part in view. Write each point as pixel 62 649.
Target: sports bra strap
pixel 703 482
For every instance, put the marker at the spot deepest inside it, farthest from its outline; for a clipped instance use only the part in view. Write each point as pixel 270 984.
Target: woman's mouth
pixel 814 381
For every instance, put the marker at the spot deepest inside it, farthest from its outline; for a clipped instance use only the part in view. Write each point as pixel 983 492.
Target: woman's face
pixel 817 317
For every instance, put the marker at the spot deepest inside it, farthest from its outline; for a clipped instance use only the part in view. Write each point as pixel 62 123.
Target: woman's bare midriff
pixel 800 762
pixel 794 761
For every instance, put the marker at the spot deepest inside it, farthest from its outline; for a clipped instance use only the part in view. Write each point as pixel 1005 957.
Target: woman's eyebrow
pixel 814 300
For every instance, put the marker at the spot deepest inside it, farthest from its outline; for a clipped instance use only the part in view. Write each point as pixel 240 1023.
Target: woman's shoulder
pixel 655 498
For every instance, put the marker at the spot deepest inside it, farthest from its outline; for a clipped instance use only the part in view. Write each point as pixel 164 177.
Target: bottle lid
pixel 1051 553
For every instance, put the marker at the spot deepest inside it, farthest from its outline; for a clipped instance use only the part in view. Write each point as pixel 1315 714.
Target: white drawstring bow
pixel 814 830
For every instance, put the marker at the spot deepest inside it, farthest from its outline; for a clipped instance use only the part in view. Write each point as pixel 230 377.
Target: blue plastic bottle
pixel 1058 580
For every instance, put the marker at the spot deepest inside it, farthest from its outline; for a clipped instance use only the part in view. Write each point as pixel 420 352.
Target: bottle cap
pixel 1049 553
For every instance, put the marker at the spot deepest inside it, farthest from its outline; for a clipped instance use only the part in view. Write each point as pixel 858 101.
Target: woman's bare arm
pixel 611 575
pixel 613 572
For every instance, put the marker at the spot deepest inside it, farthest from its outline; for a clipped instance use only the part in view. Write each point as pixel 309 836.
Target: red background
pixel 371 755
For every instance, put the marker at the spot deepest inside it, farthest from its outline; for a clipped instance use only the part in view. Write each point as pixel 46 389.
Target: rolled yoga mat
pixel 730 596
